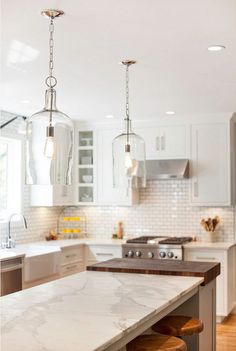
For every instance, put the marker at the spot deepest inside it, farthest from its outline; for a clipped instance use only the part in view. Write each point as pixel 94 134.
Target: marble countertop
pixel 27 250
pixel 211 246
pixel 87 311
pixel 84 241
pixel 44 247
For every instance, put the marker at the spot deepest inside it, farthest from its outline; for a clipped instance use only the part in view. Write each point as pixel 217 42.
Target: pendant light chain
pixel 127 92
pixel 127 104
pixel 51 47
pixel 51 80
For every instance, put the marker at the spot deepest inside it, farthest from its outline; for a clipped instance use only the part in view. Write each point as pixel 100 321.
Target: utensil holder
pixel 210 237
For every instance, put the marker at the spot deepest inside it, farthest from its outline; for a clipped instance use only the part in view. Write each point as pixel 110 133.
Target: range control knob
pixel 162 254
pixel 130 253
pixel 150 254
pixel 138 254
pixel 170 254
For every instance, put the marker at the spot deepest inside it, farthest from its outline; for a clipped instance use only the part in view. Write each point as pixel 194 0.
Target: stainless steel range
pixel 155 247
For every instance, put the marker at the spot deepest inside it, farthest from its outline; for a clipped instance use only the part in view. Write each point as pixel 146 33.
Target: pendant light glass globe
pixel 129 167
pixel 49 132
pixel 128 151
pixel 49 145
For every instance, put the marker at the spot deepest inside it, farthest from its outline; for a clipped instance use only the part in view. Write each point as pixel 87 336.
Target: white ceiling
pixel 168 38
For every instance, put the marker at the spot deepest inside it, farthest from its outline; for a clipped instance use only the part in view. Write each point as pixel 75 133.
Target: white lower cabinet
pixel 99 253
pixel 225 282
pixel 72 260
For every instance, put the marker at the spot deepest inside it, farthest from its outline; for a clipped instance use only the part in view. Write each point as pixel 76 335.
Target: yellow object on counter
pixel 71 218
pixel 70 231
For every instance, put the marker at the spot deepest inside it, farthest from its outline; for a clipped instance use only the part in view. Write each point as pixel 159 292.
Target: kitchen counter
pixel 27 250
pixel 90 311
pixel 83 241
pixel 35 248
pixel 44 247
pixel 211 246
pixel 208 270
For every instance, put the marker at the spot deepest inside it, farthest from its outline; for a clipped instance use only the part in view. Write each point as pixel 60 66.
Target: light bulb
pixel 50 142
pixel 49 147
pixel 128 160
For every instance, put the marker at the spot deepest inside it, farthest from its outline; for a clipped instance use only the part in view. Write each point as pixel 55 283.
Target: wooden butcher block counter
pixel 208 270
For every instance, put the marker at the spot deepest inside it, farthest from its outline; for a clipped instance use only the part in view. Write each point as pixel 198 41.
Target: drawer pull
pixel 195 189
pixel 71 255
pixel 72 267
pixel 206 258
pixel 162 142
pixel 104 254
pixel 157 143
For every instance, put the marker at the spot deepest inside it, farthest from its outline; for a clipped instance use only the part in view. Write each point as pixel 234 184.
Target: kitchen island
pixel 98 310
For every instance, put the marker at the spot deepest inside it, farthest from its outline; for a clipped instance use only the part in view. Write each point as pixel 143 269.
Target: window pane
pixel 3 175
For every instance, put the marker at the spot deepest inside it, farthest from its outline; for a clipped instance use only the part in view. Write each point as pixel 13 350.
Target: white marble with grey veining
pixel 86 311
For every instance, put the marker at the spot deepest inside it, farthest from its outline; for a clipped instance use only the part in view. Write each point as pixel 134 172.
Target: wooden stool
pixel 178 326
pixel 156 343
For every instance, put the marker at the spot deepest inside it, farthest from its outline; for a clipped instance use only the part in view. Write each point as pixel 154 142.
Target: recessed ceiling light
pixel 216 48
pixel 24 101
pixel 110 116
pixel 170 112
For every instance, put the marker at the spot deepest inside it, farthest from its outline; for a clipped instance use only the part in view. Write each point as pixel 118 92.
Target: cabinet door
pixel 210 165
pixel 99 253
pixel 51 195
pixel 173 142
pixel 221 281
pixel 106 193
pixel 151 136
pixel 164 142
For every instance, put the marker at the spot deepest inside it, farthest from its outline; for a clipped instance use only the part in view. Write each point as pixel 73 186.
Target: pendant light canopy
pixel 49 132
pixel 128 148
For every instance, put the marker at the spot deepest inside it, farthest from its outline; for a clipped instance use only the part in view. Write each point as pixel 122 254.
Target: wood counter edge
pixel 208 276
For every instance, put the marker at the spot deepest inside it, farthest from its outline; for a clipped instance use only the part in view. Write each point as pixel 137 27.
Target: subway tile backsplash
pixel 164 209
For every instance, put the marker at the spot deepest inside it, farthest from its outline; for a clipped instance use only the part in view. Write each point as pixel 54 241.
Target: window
pixel 10 177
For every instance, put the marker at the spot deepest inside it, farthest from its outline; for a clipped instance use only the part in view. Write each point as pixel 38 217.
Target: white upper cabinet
pixel 164 142
pixel 106 193
pixel 210 164
pixel 51 195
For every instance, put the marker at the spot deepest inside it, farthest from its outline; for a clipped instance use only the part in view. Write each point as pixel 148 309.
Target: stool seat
pixel 156 343
pixel 178 326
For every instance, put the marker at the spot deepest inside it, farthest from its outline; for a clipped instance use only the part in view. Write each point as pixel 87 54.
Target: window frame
pixel 14 169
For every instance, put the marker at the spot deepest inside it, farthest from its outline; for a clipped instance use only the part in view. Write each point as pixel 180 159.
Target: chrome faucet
pixel 10 243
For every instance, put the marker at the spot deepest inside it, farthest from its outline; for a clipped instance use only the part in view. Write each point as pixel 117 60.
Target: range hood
pixel 167 169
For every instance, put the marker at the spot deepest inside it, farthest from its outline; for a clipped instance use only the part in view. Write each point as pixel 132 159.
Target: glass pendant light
pixel 49 132
pixel 128 149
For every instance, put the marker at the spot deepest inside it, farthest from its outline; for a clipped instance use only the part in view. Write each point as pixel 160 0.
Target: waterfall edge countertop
pixel 208 270
pixel 87 311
